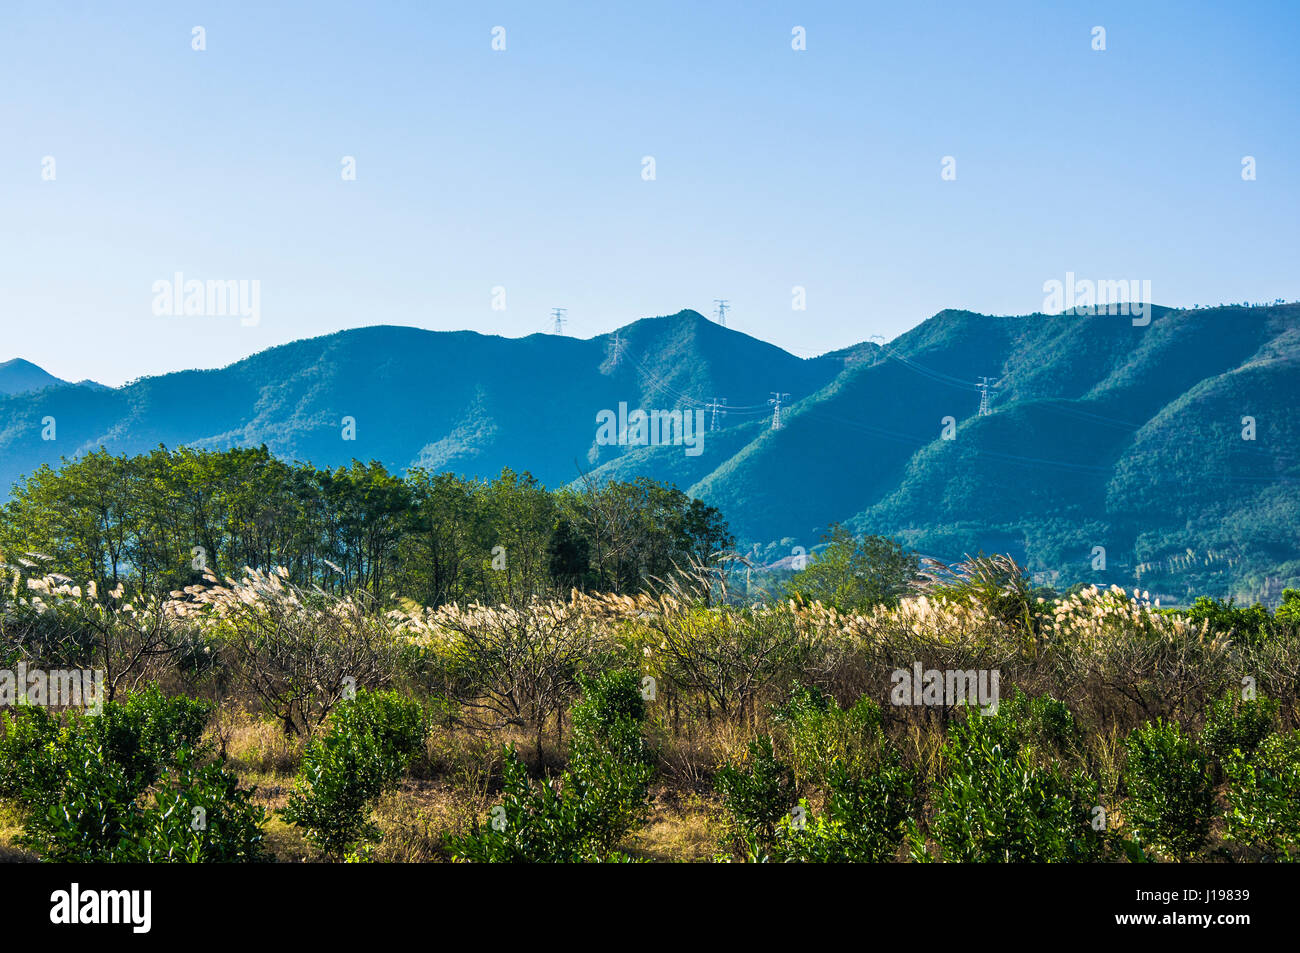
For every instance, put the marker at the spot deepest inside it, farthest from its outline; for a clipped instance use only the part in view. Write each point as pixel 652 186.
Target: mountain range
pixel 1164 456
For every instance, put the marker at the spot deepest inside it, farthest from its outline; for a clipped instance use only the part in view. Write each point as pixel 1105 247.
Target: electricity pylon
pixel 721 310
pixel 775 401
pixel 984 384
pixel 717 407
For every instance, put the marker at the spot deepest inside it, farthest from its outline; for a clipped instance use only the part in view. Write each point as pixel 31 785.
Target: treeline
pixel 161 519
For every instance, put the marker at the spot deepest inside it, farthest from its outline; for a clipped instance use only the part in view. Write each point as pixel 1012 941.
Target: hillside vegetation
pixel 1167 450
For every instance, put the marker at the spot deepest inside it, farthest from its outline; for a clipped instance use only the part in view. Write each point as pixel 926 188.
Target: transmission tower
pixel 984 384
pixel 618 348
pixel 721 310
pixel 775 401
pixel 717 407
pixel 559 315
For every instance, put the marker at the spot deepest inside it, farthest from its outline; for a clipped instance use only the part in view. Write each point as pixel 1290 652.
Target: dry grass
pixel 681 829
pixel 254 745
pixel 10 828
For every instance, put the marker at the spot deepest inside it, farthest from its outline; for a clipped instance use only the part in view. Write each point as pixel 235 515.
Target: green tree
pixel 854 574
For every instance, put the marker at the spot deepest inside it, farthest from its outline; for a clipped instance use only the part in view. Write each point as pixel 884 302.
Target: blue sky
pixel 523 168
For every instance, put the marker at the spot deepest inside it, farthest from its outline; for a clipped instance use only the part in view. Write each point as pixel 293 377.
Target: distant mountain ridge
pixel 19 377
pixel 1101 434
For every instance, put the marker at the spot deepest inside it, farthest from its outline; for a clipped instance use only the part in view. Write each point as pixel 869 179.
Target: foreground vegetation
pixel 254 718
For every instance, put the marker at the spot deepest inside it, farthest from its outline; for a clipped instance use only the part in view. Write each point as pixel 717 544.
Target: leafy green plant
pixel 996 804
pixel 141 734
pixel 127 785
pixel 1249 624
pixel 1263 795
pixel 25 758
pixel 583 815
pixel 371 740
pixel 1233 724
pixel 1041 725
pixel 866 820
pixel 757 795
pixel 145 732
pixel 81 806
pixel 199 815
pixel 819 733
pixel 1170 786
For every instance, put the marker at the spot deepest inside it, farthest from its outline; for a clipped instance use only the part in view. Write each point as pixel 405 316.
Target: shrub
pixel 1171 796
pixel 757 796
pixel 820 734
pixel 89 814
pixel 145 732
pixel 996 804
pixel 866 820
pixel 534 823
pixel 371 740
pixel 595 803
pixel 24 759
pixel 85 786
pixel 1263 804
pixel 1041 725
pixel 610 761
pixel 141 735
pixel 1249 624
pixel 199 815
pixel 1233 724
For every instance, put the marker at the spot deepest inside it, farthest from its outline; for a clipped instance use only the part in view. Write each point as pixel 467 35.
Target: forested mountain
pixel 1165 453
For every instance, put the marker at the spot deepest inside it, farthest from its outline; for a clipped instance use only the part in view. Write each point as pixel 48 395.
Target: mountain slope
pixel 18 376
pixel 460 401
pixel 1102 437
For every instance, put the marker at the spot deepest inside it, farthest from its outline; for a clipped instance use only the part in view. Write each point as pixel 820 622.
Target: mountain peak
pixel 19 376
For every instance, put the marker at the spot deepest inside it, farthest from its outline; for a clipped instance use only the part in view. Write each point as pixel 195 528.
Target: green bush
pixel 88 813
pixel 199 815
pixel 819 734
pixel 1263 795
pixel 1233 724
pixel 371 741
pixel 1249 624
pixel 609 758
pixel 141 734
pixel 1288 613
pixel 593 806
pixel 757 796
pixel 145 732
pixel 1170 788
pixel 866 820
pixel 996 804
pixel 26 759
pixel 534 823
pixel 122 786
pixel 832 750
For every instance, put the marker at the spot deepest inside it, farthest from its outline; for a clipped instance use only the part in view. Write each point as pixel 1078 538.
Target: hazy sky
pixel 523 168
